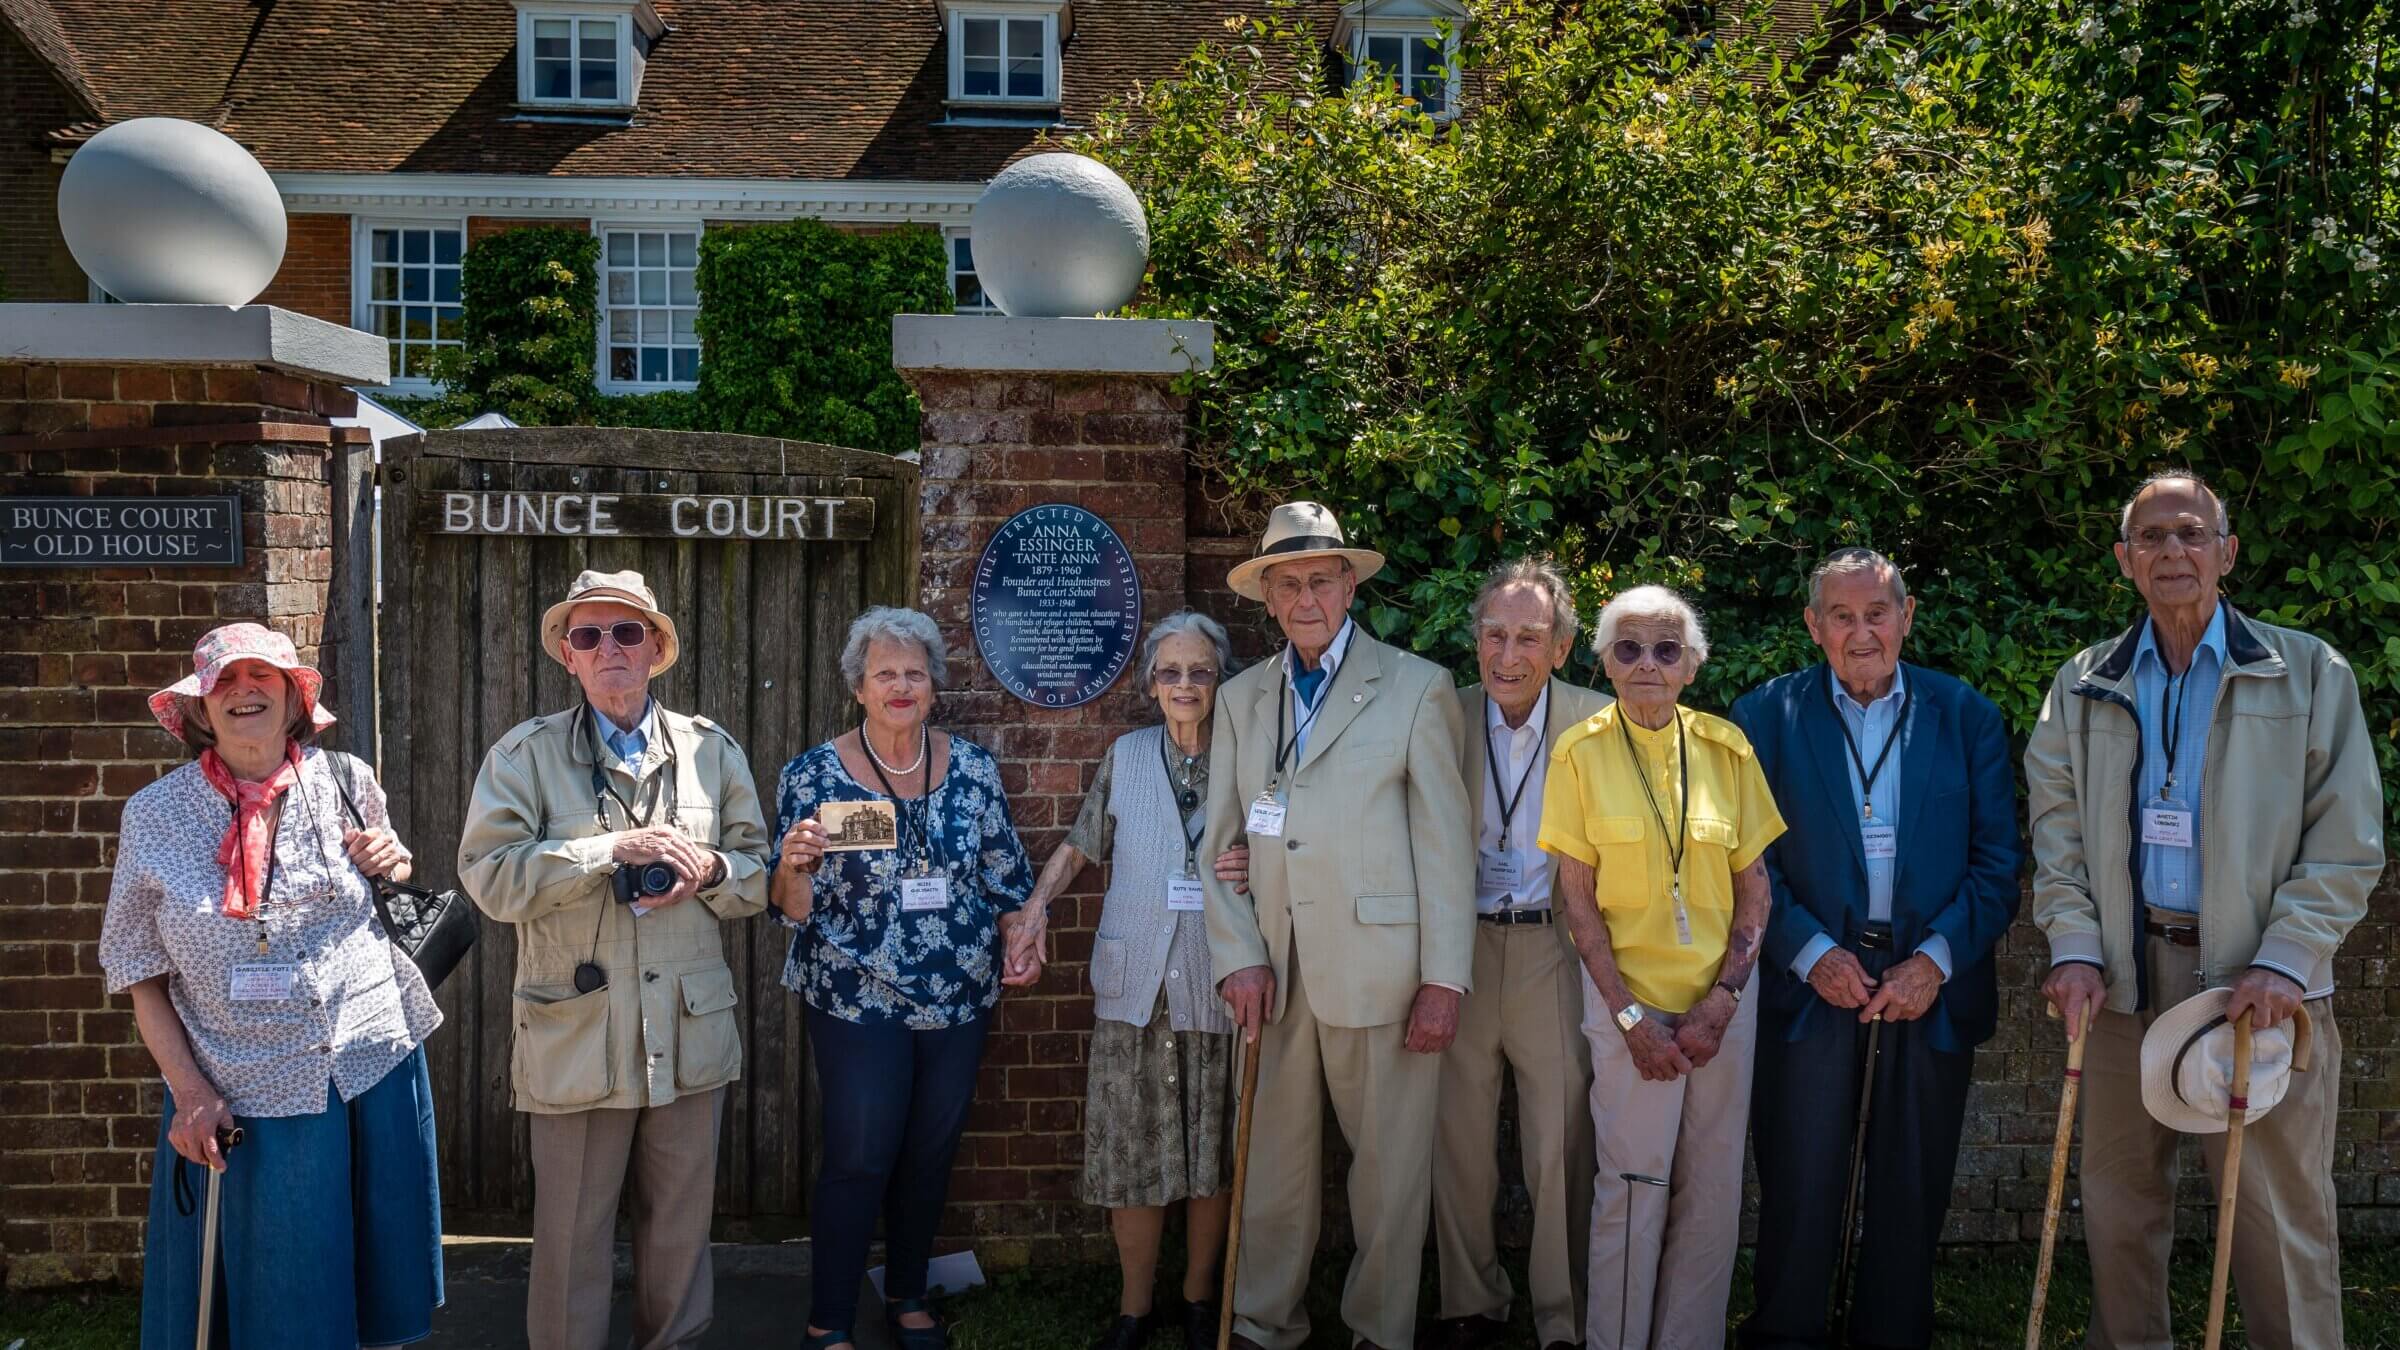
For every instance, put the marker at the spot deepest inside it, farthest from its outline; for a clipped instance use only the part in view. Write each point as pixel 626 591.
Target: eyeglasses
pixel 628 634
pixel 1198 676
pixel 1287 590
pixel 1666 652
pixel 2193 537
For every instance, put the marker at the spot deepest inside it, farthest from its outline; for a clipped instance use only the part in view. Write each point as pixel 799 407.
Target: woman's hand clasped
pixel 1025 944
pixel 194 1133
pixel 377 852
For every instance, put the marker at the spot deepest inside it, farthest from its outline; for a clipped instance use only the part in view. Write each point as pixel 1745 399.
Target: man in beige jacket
pixel 2206 812
pixel 1527 1012
pixel 614 836
pixel 1347 957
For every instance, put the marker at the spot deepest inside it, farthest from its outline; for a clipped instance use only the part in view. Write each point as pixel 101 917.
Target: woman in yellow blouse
pixel 1659 816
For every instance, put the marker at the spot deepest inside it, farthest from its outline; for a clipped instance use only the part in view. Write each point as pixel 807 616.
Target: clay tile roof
pixel 810 89
pixel 37 24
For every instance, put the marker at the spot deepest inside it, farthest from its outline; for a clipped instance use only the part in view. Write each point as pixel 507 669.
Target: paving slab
pixel 762 1297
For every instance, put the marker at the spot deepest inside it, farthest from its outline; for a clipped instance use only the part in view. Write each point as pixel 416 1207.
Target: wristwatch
pixel 1629 1017
pixel 1733 990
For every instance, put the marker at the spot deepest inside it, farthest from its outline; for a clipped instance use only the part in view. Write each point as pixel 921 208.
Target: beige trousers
pixel 1383 1097
pixel 2286 1257
pixel 1662 1257
pixel 581 1162
pixel 1526 1014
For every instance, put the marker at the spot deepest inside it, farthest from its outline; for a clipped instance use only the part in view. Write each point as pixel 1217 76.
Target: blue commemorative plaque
pixel 1056 606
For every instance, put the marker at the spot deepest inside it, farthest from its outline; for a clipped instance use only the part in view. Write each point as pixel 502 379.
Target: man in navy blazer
pixel 1892 888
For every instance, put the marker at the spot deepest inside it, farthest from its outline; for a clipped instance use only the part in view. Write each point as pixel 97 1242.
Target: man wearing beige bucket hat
pixel 2207 816
pixel 1346 957
pixel 614 835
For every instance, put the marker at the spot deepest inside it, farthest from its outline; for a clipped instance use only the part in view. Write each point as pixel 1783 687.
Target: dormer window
pixel 584 54
pixel 1005 53
pixel 1411 43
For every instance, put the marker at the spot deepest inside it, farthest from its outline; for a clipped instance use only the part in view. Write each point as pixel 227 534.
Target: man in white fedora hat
pixel 2207 815
pixel 615 835
pixel 1347 956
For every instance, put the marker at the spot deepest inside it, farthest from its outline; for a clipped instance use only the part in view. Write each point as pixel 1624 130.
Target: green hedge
pixel 1683 314
pixel 794 324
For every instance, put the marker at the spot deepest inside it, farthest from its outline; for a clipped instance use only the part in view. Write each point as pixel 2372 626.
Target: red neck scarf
pixel 248 842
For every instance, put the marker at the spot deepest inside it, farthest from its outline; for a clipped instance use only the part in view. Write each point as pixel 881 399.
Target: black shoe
pixel 1128 1333
pixel 935 1337
pixel 1200 1324
pixel 1468 1333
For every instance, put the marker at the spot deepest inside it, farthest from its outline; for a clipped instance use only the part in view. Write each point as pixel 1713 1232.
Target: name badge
pixel 1185 896
pixel 1266 817
pixel 1498 870
pixel 263 981
pixel 2169 825
pixel 1882 841
pixel 920 894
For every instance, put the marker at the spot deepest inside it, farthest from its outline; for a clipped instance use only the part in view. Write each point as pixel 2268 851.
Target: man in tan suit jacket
pixel 1527 1013
pixel 1348 955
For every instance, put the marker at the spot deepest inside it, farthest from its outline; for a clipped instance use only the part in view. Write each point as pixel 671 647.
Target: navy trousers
pixel 895 1105
pixel 1804 1115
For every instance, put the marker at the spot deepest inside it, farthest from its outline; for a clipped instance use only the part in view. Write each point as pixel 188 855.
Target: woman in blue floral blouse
pixel 901 912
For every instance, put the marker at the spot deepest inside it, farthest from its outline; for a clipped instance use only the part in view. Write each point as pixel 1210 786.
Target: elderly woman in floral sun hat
pixel 242 922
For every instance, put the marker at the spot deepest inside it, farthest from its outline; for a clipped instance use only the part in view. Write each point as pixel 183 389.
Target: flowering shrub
pixel 1698 311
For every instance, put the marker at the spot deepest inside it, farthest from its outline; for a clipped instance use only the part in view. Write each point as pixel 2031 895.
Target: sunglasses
pixel 1202 676
pixel 1666 652
pixel 628 634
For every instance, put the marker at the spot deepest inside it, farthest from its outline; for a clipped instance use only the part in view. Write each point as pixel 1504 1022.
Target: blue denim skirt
pixel 329 1227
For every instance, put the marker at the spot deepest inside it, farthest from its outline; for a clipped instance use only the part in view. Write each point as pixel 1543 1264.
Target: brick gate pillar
pixel 105 403
pixel 1018 413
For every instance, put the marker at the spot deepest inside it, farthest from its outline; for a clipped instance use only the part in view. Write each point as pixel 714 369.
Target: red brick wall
pixel 79 655
pixel 993 446
pixel 34 262
pixel 315 276
pixel 480 228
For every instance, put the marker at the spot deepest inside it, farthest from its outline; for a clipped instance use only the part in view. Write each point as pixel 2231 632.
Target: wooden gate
pixel 762 598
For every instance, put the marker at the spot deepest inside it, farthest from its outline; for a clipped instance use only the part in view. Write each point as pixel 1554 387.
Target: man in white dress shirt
pixel 1527 1011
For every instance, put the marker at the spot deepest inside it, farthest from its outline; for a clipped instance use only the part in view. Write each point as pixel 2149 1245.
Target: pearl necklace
pixel 924 748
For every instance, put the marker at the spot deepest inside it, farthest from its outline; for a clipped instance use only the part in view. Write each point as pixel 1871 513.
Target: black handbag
pixel 435 928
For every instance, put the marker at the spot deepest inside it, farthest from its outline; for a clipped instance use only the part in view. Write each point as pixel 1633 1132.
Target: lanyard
pixel 1509 801
pixel 1683 771
pixel 1289 751
pixel 930 854
pixel 603 790
pixel 1866 776
pixel 2171 729
pixel 1186 799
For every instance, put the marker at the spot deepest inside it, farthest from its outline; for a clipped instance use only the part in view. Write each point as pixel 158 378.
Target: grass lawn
pixel 1981 1302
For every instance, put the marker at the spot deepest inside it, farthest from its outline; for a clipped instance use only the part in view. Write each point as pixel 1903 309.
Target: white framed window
pixel 649 307
pixel 966 292
pixel 405 284
pixel 583 53
pixel 1005 54
pixel 1411 43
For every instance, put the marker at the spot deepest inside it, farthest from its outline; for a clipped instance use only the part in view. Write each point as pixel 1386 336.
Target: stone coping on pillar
pixel 990 342
pixel 192 335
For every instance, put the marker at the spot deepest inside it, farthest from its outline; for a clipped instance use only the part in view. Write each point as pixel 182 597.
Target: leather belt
pixel 2180 934
pixel 1515 916
pixel 1875 937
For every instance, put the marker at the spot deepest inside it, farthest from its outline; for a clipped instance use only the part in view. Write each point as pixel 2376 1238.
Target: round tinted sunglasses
pixel 1666 652
pixel 630 633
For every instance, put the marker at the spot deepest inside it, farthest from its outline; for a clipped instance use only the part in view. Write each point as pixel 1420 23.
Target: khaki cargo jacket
pixel 536 855
pixel 2293 831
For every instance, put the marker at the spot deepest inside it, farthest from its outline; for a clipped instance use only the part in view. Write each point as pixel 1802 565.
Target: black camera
pixel 639 881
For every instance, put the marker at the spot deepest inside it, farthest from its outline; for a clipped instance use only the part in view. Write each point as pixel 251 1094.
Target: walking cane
pixel 2059 1145
pixel 228 1138
pixel 1858 1164
pixel 2237 1112
pixel 1625 1278
pixel 1241 1180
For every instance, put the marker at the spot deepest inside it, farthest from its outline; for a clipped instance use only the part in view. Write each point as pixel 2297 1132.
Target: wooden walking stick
pixel 1241 1180
pixel 1858 1164
pixel 228 1136
pixel 2059 1145
pixel 2237 1112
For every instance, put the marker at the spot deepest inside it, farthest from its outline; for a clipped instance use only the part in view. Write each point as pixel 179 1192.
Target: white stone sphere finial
pixel 162 211
pixel 1059 236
